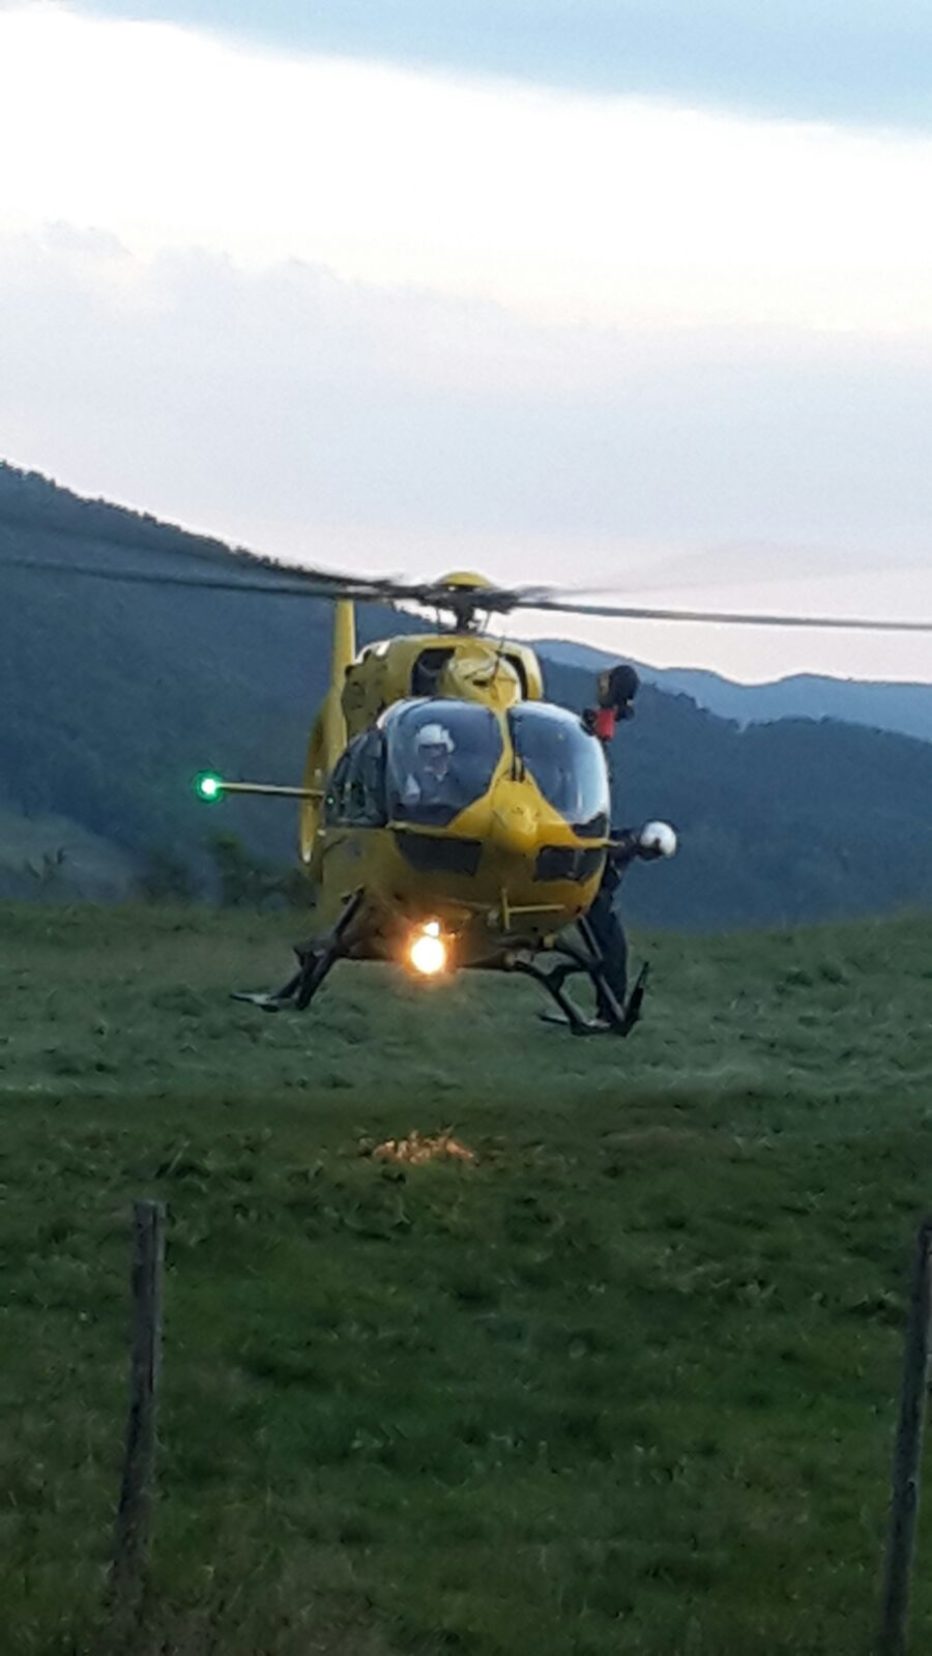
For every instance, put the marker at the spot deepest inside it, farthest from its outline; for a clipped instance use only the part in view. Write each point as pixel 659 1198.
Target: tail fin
pixel 328 737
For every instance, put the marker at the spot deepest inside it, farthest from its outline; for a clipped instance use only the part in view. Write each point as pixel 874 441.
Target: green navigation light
pixel 208 786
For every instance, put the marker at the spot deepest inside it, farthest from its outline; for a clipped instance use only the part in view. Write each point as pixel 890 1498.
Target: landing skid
pixel 581 1025
pixel 316 960
pixel 586 962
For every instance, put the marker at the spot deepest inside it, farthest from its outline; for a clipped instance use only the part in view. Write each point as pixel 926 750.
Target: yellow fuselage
pixel 507 872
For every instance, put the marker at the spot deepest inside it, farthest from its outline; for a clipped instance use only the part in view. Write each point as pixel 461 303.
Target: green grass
pixel 627 1384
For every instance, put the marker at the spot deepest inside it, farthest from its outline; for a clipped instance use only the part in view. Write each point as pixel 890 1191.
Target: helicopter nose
pixel 514 828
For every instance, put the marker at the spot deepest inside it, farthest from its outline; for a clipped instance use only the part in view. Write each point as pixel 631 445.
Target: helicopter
pixel 450 817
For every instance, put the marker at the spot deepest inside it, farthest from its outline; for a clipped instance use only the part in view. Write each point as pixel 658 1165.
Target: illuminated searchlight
pixel 427 951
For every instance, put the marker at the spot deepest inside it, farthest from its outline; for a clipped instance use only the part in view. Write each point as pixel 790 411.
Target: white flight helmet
pixel 658 838
pixel 434 736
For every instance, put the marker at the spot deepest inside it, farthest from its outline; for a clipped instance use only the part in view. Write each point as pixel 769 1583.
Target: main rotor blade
pixel 439 594
pixel 301 583
pixel 307 586
pixel 724 618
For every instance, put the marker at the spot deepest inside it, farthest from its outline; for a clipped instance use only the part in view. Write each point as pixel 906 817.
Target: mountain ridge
pixel 115 695
pixel 879 704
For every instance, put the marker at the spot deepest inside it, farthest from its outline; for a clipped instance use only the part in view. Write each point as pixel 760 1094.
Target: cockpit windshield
pixel 566 762
pixel 441 756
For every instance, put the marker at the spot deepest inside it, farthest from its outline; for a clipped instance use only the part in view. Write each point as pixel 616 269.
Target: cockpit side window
pixel 356 794
pixel 336 788
pixel 441 756
pixel 566 762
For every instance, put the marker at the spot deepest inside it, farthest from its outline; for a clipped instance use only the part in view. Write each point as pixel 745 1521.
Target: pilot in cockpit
pixel 429 780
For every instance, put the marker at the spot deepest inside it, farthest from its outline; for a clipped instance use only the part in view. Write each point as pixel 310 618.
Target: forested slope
pixel 114 695
pixel 903 708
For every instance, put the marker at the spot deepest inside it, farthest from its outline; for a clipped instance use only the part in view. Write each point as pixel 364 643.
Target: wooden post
pixel 131 1545
pixel 907 1454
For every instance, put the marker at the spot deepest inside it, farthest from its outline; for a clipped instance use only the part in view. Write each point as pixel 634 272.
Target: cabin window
pixel 356 794
pixel 428 670
pixel 441 757
pixel 566 762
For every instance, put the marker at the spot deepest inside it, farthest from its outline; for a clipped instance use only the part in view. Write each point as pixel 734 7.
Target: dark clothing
pixel 606 923
pixel 624 847
pixel 613 945
pixel 617 690
pixel 431 799
pixel 428 787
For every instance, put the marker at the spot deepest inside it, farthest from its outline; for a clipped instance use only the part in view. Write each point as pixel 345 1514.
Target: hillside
pixel 115 695
pixel 42 855
pixel 905 709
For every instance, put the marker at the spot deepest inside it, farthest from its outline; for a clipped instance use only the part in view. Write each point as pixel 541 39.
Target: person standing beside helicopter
pixel 617 690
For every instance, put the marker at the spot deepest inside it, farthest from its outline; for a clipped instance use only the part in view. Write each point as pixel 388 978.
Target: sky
pixel 609 294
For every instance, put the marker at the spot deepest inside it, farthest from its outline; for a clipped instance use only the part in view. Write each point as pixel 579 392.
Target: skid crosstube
pixel 316 960
pixel 318 956
pixel 587 962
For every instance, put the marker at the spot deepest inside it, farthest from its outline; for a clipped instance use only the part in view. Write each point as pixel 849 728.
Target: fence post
pixel 907 1454
pixel 131 1543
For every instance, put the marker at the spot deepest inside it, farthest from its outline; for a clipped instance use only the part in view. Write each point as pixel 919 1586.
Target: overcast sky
pixel 613 292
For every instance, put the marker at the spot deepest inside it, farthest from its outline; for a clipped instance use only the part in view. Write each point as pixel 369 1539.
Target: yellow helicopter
pixel 450 817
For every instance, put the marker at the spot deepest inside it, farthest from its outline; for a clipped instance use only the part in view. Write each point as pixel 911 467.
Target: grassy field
pixel 626 1383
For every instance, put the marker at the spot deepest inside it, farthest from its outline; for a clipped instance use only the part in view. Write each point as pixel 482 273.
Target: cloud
pixel 406 431
pixel 848 61
pixel 557 206
pixel 398 322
